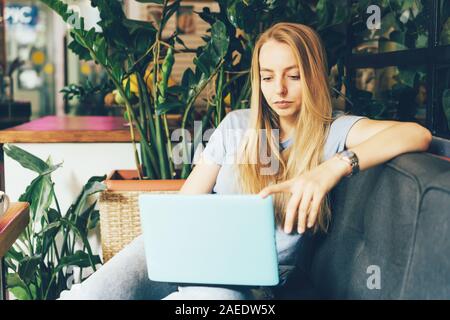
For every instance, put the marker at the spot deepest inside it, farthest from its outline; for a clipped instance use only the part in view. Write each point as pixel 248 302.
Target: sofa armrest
pixel 12 223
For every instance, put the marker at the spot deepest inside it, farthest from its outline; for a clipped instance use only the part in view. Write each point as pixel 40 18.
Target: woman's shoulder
pixel 337 135
pixel 341 118
pixel 337 114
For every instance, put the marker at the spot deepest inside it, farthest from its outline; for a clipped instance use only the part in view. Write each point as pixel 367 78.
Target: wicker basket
pixel 119 209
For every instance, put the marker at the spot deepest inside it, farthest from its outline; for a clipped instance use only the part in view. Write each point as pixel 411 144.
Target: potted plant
pixel 41 262
pixel 134 55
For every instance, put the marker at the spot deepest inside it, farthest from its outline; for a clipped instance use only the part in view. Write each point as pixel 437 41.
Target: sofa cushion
pixel 375 216
pixel 428 275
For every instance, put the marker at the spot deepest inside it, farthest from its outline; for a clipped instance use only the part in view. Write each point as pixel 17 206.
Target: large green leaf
pixel 236 14
pixel 94 219
pixel 50 227
pixel 53 215
pixel 48 237
pixel 188 79
pixel 17 286
pixel 79 259
pixel 28 267
pixel 13 254
pixel 39 195
pixel 206 62
pixel 91 187
pixel 101 50
pixel 94 185
pixel 60 8
pixel 26 159
pixel 80 50
pixel 169 106
pixel 324 12
pixel 84 218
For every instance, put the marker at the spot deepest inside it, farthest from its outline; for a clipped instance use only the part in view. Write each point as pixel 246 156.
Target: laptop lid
pixel 210 239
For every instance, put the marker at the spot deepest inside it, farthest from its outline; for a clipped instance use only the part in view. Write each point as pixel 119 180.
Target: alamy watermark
pixel 374 20
pixel 223 140
pixel 374 280
pixel 74 20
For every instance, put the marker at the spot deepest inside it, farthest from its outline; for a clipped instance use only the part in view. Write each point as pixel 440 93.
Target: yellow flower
pixel 227 100
pixel 38 57
pixel 148 78
pixel 134 88
pixel 49 69
pixel 85 68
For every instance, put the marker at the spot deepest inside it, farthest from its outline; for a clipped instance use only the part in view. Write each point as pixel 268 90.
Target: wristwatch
pixel 351 158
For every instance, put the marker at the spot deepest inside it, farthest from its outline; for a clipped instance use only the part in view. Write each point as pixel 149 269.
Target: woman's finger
pixel 291 211
pixel 280 187
pixel 303 210
pixel 314 211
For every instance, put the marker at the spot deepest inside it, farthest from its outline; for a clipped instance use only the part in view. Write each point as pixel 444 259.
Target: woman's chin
pixel 286 112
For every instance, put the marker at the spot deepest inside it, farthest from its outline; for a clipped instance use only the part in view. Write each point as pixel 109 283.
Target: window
pixel 403 26
pixel 443 99
pixel 391 93
pixel 401 71
pixel 444 23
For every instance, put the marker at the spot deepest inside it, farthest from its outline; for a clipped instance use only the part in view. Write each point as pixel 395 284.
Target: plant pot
pixel 119 208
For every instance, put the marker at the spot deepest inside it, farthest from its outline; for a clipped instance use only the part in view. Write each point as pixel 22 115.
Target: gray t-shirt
pixel 223 146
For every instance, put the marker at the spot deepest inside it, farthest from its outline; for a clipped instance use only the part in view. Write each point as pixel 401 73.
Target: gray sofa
pixel 389 237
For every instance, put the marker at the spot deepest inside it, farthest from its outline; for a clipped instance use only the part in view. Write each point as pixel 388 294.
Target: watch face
pixel 348 153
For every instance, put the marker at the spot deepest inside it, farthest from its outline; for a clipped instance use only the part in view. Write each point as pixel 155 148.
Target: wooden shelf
pixel 12 223
pixel 53 129
pixel 74 129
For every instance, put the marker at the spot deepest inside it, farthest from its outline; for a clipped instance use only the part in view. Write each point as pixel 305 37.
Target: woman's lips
pixel 283 105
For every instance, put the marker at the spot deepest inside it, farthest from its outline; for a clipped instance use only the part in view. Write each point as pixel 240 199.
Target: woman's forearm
pixel 387 144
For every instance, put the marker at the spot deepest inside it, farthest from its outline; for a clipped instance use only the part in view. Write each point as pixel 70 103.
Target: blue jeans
pixel 125 277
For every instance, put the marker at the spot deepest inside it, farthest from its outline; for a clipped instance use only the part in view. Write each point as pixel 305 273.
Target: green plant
pixel 445 19
pixel 40 261
pixel 127 49
pixel 8 74
pixel 404 25
pixel 87 97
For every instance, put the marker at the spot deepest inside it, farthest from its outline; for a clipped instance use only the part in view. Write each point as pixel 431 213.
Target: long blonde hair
pixel 312 124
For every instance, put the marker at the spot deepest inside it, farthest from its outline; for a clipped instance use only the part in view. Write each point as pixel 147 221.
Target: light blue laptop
pixel 210 239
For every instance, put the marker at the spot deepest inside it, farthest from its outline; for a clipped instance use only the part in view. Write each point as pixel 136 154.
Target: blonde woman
pixel 311 149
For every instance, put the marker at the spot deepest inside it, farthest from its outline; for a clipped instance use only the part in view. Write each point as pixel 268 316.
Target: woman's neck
pixel 286 128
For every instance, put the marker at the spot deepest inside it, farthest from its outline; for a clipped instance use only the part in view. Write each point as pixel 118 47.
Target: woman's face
pixel 280 79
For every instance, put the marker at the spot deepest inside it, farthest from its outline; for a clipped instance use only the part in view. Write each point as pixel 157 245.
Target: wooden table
pixel 12 224
pixel 85 145
pixel 53 129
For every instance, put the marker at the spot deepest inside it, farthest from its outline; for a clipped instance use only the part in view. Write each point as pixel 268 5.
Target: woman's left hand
pixel 307 192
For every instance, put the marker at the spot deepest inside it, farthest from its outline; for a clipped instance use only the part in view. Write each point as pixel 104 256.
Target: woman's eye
pixel 294 77
pixel 266 78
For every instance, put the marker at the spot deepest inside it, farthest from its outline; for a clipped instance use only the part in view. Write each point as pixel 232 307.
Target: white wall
pixel 80 162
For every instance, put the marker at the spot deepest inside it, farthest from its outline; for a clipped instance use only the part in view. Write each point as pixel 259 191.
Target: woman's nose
pixel 281 87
